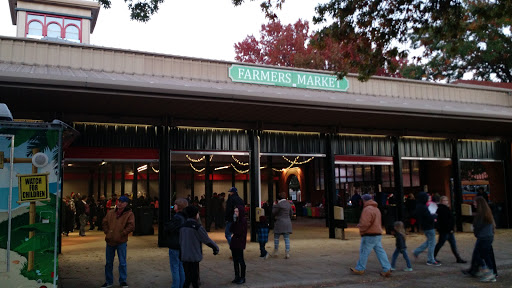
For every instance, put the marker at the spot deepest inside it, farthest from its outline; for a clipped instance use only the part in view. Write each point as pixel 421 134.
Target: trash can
pixel 143 221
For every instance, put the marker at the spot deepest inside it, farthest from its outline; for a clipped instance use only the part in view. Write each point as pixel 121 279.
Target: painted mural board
pixel 29 204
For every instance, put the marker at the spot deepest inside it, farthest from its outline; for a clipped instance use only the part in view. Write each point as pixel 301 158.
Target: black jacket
pixel 423 216
pixel 444 219
pixel 400 241
pixel 233 201
pixel 172 230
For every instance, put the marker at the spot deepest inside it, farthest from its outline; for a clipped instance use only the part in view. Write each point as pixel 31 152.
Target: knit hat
pixel 366 197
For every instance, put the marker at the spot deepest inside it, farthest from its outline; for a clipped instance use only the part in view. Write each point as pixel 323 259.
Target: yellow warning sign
pixel 33 187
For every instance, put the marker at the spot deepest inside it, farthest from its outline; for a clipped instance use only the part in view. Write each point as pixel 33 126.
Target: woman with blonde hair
pixel 401 248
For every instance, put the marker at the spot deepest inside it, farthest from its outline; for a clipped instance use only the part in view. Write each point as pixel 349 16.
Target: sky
pixel 194 28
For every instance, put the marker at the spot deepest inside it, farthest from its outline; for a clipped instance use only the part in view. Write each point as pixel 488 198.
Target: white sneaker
pixel 408 269
pixel 287 256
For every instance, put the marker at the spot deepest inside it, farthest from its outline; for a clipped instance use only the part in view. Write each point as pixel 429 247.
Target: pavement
pixel 316 261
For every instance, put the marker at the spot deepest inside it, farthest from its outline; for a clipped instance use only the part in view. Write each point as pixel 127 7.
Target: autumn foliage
pixel 293 45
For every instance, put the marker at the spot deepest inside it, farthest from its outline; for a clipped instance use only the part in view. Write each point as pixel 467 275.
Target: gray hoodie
pixel 192 235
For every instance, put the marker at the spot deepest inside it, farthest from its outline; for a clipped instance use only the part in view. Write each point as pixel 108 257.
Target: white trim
pixel 427 158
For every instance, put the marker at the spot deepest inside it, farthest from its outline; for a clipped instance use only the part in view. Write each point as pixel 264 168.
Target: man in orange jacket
pixel 370 228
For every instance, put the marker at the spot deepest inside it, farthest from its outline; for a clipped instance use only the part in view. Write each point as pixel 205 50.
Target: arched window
pixel 54 31
pixel 35 29
pixel 72 33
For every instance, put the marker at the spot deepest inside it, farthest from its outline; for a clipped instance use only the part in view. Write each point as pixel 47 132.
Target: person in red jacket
pixel 238 242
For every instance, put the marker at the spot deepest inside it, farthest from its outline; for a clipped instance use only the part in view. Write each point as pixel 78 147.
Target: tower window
pixel 51 26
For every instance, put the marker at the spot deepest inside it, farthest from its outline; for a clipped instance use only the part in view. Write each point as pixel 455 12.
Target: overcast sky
pixel 196 28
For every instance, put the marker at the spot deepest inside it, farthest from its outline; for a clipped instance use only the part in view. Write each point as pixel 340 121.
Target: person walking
pixel 117 224
pixel 426 222
pixel 82 210
pixel 233 201
pixel 172 232
pixel 238 242
pixel 282 212
pixel 262 233
pixel 445 224
pixel 192 235
pixel 483 229
pixel 370 229
pixel 401 247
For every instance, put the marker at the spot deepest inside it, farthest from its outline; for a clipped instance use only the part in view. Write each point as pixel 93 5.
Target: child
pixel 237 244
pixel 262 231
pixel 399 232
pixel 192 234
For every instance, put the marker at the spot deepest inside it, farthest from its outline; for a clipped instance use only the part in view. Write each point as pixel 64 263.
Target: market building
pixel 156 125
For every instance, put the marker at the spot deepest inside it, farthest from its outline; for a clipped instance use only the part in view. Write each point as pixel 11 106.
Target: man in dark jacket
pixel 445 225
pixel 426 222
pixel 233 201
pixel 172 231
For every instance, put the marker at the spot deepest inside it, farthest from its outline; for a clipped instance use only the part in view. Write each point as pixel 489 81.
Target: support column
pixel 399 180
pixel 254 178
pixel 135 180
pixel 457 184
pixel 192 187
pixel 208 191
pixel 105 183
pixel 90 187
pixel 99 182
pixel 233 177
pixel 113 181
pixel 270 180
pixel 507 170
pixel 330 187
pixel 147 181
pixel 164 181
pixel 123 178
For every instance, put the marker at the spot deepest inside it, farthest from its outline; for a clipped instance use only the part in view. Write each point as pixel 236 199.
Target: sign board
pixel 33 187
pixel 286 78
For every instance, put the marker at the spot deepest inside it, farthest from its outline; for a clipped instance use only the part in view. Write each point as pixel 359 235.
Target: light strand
pixel 298 163
pixel 239 171
pixel 197 170
pixel 239 162
pixel 196 160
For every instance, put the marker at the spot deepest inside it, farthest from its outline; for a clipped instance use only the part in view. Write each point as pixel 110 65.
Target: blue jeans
pixel 110 252
pixel 286 237
pixel 430 244
pixel 406 257
pixel 177 272
pixel 453 244
pixel 227 232
pixel 369 243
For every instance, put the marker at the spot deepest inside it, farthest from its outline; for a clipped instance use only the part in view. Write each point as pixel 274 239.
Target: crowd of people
pixel 185 235
pixel 428 214
pixel 82 210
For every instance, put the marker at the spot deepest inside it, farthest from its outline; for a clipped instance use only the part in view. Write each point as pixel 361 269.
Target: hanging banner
pixel 286 78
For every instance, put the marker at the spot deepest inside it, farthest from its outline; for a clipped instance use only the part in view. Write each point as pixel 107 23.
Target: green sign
pixel 286 78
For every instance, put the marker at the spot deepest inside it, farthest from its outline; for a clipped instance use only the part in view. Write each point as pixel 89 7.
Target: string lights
pixel 239 162
pixel 239 171
pixel 294 162
pixel 196 160
pixel 197 170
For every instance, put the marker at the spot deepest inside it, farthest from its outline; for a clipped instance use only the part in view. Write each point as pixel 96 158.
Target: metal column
pixel 254 178
pixel 399 180
pixel 457 184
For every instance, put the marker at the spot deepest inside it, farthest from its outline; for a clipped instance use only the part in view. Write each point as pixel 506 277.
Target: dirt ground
pixel 316 261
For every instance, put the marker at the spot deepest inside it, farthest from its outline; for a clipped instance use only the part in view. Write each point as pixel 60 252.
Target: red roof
pixel 485 83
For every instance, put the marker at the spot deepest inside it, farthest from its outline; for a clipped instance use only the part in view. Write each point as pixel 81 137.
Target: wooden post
pixel 32 220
